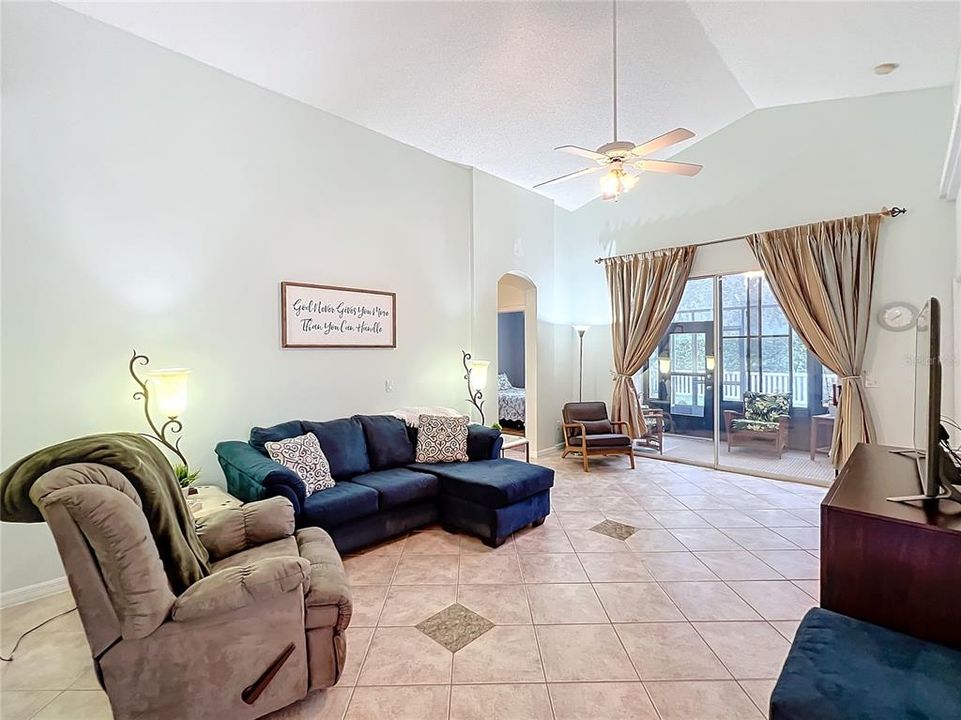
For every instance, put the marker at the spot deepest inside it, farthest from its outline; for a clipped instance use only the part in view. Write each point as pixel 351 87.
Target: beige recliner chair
pixel 264 628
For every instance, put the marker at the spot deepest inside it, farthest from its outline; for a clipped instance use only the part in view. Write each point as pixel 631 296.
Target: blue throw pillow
pixel 482 442
pixel 388 445
pixel 274 433
pixel 344 445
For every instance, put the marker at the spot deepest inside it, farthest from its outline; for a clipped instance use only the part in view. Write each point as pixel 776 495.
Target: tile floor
pixel 688 618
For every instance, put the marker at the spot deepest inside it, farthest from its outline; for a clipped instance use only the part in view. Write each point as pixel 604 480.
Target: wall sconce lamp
pixel 664 364
pixel 581 331
pixel 170 393
pixel 709 363
pixel 476 377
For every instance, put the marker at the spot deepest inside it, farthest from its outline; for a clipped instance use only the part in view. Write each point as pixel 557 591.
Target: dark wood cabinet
pixel 887 563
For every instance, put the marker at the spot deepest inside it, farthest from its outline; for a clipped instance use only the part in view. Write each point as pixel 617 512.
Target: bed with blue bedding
pixel 511 401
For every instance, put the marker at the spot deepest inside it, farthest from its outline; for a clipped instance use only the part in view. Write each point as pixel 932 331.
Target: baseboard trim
pixel 552 450
pixel 33 592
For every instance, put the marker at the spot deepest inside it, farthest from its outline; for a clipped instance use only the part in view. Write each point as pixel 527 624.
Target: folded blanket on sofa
pixel 144 465
pixel 411 415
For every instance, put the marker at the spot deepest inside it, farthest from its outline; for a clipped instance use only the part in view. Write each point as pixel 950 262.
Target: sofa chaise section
pixel 492 498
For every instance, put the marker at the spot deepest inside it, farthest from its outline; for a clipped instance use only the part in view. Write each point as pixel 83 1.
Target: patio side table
pixel 817 422
pixel 517 443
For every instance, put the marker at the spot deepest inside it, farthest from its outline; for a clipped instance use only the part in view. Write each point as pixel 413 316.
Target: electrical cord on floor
pixel 35 627
pixel 952 423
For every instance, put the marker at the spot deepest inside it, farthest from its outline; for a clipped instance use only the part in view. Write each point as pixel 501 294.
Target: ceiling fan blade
pixel 668 166
pixel 583 152
pixel 569 176
pixel 663 141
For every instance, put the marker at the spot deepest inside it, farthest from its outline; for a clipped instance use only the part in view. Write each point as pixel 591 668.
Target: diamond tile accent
pixel 455 627
pixel 614 529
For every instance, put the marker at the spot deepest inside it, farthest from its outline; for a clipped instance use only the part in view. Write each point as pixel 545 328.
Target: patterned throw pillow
pixel 442 439
pixel 503 383
pixel 766 407
pixel 303 455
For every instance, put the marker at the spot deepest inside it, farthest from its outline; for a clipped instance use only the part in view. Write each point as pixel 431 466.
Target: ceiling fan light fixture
pixel 610 185
pixel 616 182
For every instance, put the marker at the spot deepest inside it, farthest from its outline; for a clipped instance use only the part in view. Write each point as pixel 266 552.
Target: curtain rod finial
pixel 893 212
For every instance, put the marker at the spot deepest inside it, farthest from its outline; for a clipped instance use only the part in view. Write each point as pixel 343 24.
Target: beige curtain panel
pixel 645 292
pixel 822 275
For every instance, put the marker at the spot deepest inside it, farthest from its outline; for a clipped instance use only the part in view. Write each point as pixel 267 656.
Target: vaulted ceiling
pixel 497 85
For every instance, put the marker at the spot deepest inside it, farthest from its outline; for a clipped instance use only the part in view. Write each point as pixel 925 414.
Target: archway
pixel 517 356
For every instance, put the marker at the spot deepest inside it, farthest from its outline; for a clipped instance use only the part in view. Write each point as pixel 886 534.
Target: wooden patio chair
pixel 764 423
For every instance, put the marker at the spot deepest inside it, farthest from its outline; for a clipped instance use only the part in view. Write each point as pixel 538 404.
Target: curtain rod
pixel 893 212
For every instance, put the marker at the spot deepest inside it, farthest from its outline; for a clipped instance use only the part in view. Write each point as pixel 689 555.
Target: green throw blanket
pixel 146 468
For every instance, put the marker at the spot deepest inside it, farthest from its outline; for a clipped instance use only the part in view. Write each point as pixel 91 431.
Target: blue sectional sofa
pixel 382 492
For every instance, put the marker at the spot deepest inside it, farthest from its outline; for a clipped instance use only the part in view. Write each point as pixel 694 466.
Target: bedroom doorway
pixel 516 355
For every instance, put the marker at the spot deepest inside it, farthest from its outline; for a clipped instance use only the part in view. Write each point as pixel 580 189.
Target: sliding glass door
pixel 678 378
pixel 771 387
pixel 736 385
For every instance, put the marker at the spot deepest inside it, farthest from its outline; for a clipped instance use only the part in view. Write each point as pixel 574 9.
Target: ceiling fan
pixel 620 156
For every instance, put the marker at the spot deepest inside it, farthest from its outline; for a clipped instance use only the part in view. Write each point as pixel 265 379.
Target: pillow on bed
pixel 503 383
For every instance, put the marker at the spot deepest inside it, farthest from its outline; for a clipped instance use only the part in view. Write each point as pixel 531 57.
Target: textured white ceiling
pixel 497 85
pixel 795 52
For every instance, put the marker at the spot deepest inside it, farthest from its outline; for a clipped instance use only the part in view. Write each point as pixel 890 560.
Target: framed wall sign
pixel 325 316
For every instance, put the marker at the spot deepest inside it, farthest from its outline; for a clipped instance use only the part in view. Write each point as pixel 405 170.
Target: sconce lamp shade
pixel 709 363
pixel 581 329
pixel 664 364
pixel 170 390
pixel 478 373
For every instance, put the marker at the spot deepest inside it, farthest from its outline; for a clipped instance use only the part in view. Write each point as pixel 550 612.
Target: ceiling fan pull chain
pixel 614 48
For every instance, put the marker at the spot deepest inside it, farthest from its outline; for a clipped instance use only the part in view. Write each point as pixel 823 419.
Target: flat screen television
pixel 927 398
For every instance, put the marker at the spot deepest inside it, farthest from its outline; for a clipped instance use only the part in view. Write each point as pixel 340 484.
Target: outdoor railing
pixel 689 389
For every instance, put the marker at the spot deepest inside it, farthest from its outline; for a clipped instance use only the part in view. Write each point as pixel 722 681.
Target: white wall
pixel 949 181
pixel 952 365
pixel 514 232
pixel 781 167
pixel 152 202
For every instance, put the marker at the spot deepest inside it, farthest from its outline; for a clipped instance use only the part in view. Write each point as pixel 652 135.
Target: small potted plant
pixel 186 478
pixel 496 426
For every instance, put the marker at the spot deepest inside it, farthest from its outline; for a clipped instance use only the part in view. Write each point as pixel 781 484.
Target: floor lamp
pixel 581 331
pixel 170 390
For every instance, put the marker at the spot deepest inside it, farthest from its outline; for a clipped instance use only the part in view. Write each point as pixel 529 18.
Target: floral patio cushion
pixel 766 407
pixel 756 425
